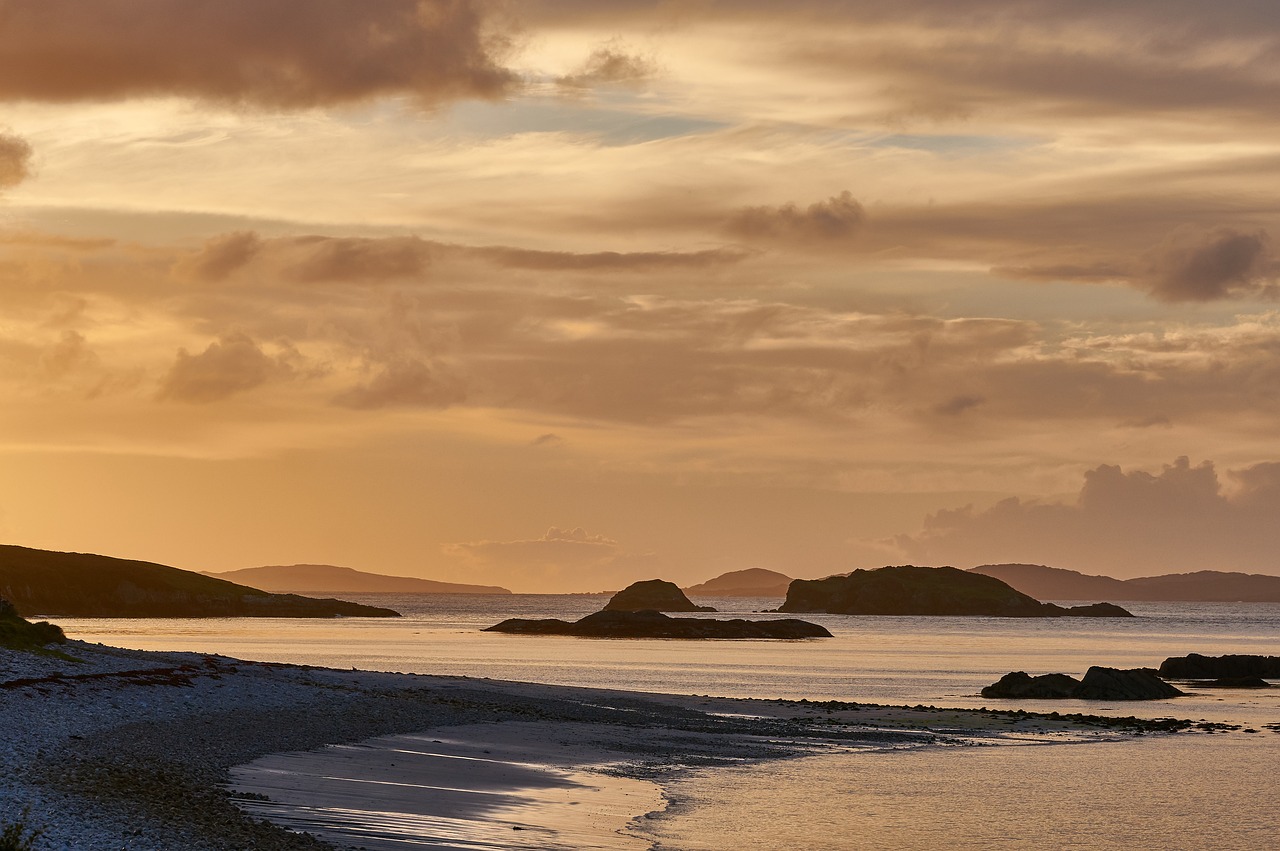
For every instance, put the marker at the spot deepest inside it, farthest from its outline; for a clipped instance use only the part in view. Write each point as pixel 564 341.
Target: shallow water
pixel 1183 792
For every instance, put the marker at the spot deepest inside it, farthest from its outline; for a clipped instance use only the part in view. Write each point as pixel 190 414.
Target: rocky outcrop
pixel 1020 684
pixel 912 590
pixel 94 586
pixel 1197 667
pixel 656 595
pixel 1239 682
pixel 1098 684
pixel 1115 684
pixel 651 624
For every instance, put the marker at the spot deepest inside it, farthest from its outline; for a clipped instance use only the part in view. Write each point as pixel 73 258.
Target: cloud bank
pixel 1123 524
pixel 279 54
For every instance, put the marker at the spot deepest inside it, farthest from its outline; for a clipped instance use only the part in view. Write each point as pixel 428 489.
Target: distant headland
pixel 331 579
pixel 1203 586
pixel 42 582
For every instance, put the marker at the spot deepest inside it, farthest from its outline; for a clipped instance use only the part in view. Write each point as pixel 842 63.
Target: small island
pixel 942 591
pixel 651 624
pixel 1099 683
pixel 627 616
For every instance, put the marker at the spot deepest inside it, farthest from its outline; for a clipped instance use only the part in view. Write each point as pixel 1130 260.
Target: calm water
pixel 1185 792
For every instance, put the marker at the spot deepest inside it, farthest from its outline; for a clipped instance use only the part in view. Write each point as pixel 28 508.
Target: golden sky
pixel 558 295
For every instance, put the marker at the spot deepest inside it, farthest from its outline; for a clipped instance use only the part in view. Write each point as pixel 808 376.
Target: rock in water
pixel 1020 684
pixel 656 595
pixel 1098 684
pixel 1197 667
pixel 1240 682
pixel 1115 684
pixel 652 624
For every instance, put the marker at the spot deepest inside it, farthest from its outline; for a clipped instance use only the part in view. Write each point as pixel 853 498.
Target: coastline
pixel 134 749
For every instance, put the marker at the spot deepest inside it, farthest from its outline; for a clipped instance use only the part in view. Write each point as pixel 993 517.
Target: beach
pixel 161 750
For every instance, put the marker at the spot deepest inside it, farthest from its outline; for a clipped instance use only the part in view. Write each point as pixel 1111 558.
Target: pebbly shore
pixel 117 749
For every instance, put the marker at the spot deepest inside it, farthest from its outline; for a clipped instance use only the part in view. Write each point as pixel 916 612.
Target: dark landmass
pixel 653 595
pixel 752 582
pixel 95 586
pixel 1098 684
pixel 330 579
pixel 1204 586
pixel 17 633
pixel 912 590
pixel 1239 682
pixel 651 624
pixel 1197 667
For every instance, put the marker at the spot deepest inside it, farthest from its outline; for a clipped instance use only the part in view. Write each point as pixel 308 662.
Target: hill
pixel 41 582
pixel 752 582
pixel 330 579
pixel 1204 586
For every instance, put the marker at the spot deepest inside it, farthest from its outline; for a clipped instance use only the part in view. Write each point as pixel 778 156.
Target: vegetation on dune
pixel 16 633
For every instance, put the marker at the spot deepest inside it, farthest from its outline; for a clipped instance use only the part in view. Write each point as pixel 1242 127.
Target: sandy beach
pixel 153 750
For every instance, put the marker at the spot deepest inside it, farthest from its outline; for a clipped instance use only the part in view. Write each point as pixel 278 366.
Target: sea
pixel 1193 791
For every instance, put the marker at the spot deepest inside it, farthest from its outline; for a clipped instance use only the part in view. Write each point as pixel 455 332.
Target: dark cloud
pixel 329 259
pixel 263 53
pixel 836 220
pixel 405 383
pixel 610 64
pixel 957 405
pixel 221 256
pixel 15 160
pixel 607 261
pixel 1207 266
pixel 230 365
pixel 1122 523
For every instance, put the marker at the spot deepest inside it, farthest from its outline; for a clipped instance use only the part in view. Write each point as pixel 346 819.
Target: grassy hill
pixel 41 582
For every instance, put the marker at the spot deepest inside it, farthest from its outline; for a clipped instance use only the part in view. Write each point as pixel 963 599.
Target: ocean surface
pixel 1191 791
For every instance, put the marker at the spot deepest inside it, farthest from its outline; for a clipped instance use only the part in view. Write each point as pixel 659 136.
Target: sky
pixel 560 295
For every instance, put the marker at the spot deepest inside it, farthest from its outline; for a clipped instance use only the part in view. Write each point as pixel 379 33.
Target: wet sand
pixel 136 749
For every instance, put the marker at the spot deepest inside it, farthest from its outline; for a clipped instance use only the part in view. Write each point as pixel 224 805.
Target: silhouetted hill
pixel 329 579
pixel 1204 586
pixel 86 585
pixel 913 590
pixel 752 582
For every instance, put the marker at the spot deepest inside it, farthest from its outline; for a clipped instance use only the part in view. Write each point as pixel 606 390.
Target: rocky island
pixel 41 582
pixel 651 624
pixel 912 590
pixel 1230 667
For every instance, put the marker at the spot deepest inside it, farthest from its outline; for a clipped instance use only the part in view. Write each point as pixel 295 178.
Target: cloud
pixel 15 160
pixel 221 256
pixel 230 365
pixel 405 382
pixel 610 64
pixel 319 259
pixel 262 53
pixel 1122 523
pixel 836 220
pixel 560 548
pixel 1213 265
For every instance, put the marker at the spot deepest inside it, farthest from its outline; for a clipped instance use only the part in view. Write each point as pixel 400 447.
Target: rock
pixel 1098 610
pixel 651 624
pixel 1197 667
pixel 656 595
pixel 1098 684
pixel 1114 684
pixel 912 590
pixel 1020 684
pixel 1239 682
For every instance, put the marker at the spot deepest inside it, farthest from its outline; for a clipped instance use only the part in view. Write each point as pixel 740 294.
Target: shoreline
pixel 135 749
